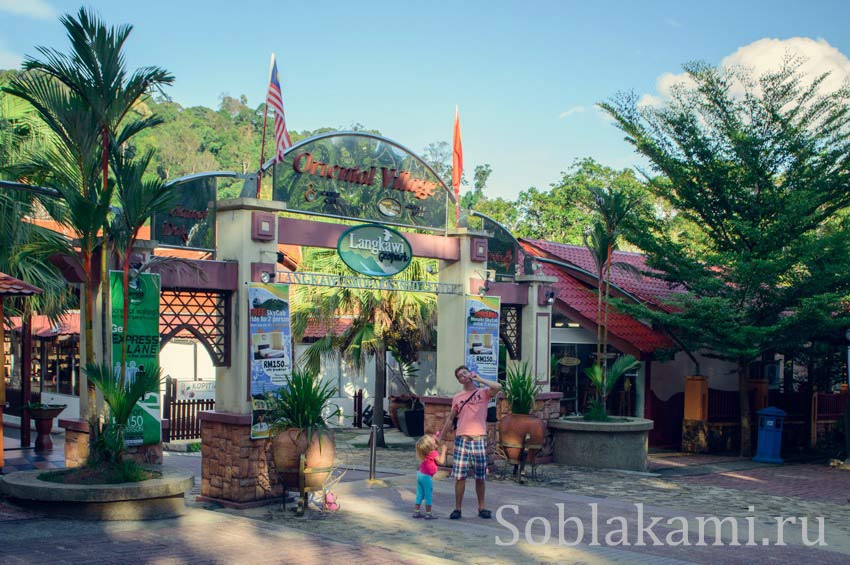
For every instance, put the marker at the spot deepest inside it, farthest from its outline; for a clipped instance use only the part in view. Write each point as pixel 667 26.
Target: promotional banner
pixel 270 342
pixel 145 424
pixel 482 335
pixel 195 390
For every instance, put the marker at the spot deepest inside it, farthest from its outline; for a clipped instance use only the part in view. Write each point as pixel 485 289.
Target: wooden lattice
pixel 203 314
pixel 510 330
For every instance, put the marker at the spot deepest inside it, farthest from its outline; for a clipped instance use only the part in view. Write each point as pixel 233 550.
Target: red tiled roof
pixel 317 330
pixel 10 286
pixel 643 287
pixel 68 324
pixel 578 297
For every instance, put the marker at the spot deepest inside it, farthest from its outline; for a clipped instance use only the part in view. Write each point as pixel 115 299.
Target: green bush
pixel 301 402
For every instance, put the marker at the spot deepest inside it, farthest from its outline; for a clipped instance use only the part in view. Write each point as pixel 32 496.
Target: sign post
pixel 482 335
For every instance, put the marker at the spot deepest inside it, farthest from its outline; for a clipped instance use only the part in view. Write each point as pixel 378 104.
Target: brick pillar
pixel 77 435
pixel 695 423
pixel 236 471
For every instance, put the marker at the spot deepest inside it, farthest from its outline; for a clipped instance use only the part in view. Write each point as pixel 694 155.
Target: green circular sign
pixel 374 250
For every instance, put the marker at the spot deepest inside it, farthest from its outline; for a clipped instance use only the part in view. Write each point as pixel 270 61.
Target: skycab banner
pixel 361 176
pixel 482 335
pixel 270 342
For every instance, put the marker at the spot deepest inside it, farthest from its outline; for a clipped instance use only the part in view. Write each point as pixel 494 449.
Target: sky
pixel 525 75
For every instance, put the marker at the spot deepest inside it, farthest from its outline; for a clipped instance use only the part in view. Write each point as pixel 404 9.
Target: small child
pixel 426 452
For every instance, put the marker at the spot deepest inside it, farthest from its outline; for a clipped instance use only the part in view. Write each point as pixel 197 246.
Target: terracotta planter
pixel 287 448
pixel 513 428
pixel 320 460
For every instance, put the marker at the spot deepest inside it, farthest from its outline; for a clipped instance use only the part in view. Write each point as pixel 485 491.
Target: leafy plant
pixel 520 388
pixel 121 395
pixel 301 403
pixel 604 382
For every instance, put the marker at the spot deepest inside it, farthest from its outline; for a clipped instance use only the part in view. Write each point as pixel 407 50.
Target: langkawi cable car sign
pixel 361 176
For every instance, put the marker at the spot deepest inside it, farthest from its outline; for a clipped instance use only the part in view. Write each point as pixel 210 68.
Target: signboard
pixel 195 390
pixel 361 176
pixel 482 335
pixel 374 250
pixel 270 342
pixel 190 222
pixel 145 425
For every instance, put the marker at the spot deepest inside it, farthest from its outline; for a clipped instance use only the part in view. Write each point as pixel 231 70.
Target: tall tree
pixel 85 97
pixel 760 165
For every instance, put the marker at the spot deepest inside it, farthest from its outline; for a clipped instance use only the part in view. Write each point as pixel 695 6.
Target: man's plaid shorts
pixel 470 451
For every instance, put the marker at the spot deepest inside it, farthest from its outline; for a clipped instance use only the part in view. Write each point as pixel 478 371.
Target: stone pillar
pixel 451 311
pixel 236 470
pixel 77 434
pixel 695 424
pixel 537 327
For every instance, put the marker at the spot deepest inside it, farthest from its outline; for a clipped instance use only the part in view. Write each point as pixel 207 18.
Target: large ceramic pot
pixel 287 447
pixel 513 429
pixel 319 460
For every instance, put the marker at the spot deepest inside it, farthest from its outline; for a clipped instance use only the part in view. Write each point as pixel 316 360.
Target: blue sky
pixel 525 74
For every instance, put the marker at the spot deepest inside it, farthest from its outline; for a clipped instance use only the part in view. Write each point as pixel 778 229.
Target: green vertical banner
pixel 145 425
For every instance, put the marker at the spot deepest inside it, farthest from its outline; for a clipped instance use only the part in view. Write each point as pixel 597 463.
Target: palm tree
pixel 612 207
pixel 85 98
pixel 396 321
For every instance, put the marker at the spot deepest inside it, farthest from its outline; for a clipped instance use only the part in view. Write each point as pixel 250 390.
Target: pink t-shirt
pixel 429 464
pixel 472 418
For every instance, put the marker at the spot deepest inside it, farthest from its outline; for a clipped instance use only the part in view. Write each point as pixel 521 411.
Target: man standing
pixel 470 407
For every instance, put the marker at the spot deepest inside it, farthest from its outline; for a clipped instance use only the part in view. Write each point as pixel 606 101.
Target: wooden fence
pixel 182 414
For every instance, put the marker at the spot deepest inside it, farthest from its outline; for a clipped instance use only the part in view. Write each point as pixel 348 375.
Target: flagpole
pixel 263 143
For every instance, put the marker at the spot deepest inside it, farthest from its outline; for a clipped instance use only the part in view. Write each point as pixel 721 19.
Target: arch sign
pixel 361 176
pixel 374 250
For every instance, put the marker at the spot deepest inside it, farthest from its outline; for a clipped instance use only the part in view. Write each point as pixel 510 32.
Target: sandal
pixel 430 517
pixel 485 514
pixel 417 515
pixel 455 515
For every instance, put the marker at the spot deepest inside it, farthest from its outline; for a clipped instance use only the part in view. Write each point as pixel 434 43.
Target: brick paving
pixel 374 524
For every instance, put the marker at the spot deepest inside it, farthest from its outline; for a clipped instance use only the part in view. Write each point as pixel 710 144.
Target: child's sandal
pixel 430 517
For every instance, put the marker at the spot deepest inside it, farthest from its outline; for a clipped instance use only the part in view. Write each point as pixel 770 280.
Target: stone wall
pixel 149 454
pixel 76 441
pixel 234 467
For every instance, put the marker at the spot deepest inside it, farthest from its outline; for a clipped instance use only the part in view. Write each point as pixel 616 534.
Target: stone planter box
pixel 158 498
pixel 619 444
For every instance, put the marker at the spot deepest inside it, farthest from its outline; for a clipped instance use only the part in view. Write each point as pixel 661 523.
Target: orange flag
pixel 457 164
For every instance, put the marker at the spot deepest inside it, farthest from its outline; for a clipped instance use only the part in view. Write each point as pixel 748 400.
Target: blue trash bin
pixel 771 422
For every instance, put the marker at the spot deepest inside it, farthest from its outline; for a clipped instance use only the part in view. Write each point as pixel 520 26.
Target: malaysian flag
pixel 274 100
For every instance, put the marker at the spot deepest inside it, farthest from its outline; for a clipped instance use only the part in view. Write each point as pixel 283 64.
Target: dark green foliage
pixel 301 403
pixel 520 388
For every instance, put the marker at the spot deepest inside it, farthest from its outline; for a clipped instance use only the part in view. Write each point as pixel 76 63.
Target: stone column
pixel 236 470
pixel 451 311
pixel 695 423
pixel 77 433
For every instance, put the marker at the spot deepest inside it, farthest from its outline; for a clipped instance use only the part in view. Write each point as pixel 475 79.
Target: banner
pixel 145 424
pixel 270 343
pixel 482 335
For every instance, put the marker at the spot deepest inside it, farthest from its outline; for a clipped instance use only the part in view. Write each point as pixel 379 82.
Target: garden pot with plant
pixel 520 427
pixel 299 428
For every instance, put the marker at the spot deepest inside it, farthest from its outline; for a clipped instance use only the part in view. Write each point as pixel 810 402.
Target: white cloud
pixel 9 60
pixel 571 111
pixel 33 8
pixel 766 55
pixel 673 23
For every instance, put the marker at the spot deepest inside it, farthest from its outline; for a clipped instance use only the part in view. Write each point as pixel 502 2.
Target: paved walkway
pixel 374 524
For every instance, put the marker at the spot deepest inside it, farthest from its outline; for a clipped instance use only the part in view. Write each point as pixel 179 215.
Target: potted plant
pixel 298 427
pixel 43 415
pixel 520 391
